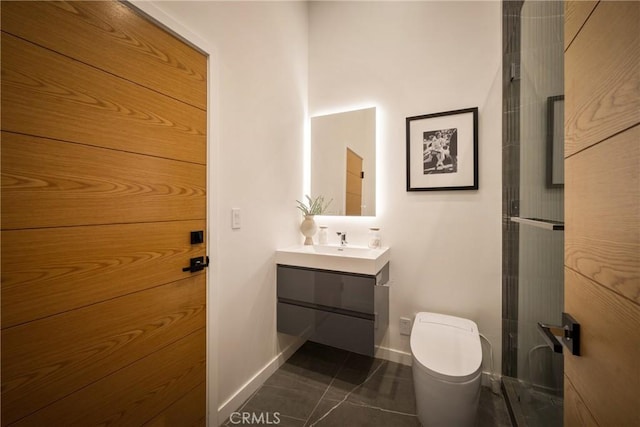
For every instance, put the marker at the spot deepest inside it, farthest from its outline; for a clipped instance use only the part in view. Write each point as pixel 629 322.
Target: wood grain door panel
pixel 606 97
pixel 608 255
pixel 353 197
pixel 119 39
pixel 577 414
pixel 49 271
pixel 47 94
pixel 129 395
pixel 43 180
pixel 575 14
pixel 607 373
pixel 602 211
pixel 103 179
pixel 184 411
pixel 66 351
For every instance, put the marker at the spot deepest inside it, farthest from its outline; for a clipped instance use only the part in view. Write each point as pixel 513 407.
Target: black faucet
pixel 343 238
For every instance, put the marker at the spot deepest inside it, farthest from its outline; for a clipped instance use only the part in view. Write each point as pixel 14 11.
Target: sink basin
pixel 348 251
pixel 348 259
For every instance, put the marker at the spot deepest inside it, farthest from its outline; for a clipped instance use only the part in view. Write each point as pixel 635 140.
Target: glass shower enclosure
pixel 533 208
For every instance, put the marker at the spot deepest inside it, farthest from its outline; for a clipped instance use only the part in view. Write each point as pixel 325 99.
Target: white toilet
pixel 447 366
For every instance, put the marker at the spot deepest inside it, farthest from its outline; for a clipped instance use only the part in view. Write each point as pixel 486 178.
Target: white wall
pixel 259 82
pixel 412 58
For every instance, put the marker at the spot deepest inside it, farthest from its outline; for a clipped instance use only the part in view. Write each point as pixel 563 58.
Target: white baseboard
pixel 393 355
pixel 234 402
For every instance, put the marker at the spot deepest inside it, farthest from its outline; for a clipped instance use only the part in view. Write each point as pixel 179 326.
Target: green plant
pixel 314 207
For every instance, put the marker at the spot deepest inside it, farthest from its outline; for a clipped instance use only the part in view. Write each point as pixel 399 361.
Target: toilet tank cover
pixel 446 345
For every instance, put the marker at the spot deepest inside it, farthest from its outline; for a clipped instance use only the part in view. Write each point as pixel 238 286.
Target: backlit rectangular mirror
pixel 343 161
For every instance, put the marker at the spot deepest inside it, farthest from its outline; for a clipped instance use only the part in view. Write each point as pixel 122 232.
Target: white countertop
pixel 348 259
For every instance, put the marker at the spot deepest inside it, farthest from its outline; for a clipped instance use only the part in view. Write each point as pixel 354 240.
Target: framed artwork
pixel 442 151
pixel 555 141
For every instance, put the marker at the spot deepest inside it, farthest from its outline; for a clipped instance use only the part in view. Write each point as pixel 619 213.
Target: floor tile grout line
pixel 344 399
pixel 326 389
pixel 364 405
pixel 226 423
pixel 249 398
pixel 280 387
pixel 291 417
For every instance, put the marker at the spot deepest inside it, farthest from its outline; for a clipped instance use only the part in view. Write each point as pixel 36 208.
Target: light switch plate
pixel 235 218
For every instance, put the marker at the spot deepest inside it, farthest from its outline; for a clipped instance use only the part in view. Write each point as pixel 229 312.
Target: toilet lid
pixel 446 346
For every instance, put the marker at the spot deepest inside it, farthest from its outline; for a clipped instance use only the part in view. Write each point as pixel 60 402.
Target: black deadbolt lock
pixel 197 237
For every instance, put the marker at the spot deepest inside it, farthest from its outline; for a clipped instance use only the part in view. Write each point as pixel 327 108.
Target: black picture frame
pixel 555 141
pixel 442 151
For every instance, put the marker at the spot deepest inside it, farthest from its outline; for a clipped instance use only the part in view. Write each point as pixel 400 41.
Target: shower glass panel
pixel 533 209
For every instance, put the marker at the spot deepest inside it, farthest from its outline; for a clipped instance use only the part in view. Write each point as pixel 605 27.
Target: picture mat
pixel 465 175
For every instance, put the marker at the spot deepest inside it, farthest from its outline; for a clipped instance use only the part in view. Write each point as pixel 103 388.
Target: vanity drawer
pixel 337 330
pixel 322 288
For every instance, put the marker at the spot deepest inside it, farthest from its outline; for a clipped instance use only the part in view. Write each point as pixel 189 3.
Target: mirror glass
pixel 343 161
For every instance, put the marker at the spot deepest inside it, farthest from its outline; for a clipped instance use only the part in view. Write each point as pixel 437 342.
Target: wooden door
pixel 353 197
pixel 602 191
pixel 103 180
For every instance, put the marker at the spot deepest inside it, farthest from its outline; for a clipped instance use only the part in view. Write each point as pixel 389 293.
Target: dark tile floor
pixel 324 386
pixel 532 408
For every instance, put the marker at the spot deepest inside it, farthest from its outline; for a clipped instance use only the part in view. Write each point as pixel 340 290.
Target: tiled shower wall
pixel 510 182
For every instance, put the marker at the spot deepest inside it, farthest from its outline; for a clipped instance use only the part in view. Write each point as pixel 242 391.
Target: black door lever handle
pixel 569 335
pixel 197 264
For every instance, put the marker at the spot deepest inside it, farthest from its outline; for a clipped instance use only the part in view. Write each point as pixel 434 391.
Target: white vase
pixel 308 229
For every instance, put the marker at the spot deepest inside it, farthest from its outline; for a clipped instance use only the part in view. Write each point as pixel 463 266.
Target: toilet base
pixel 445 404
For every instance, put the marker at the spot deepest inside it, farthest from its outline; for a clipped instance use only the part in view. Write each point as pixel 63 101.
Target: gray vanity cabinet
pixel 344 310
